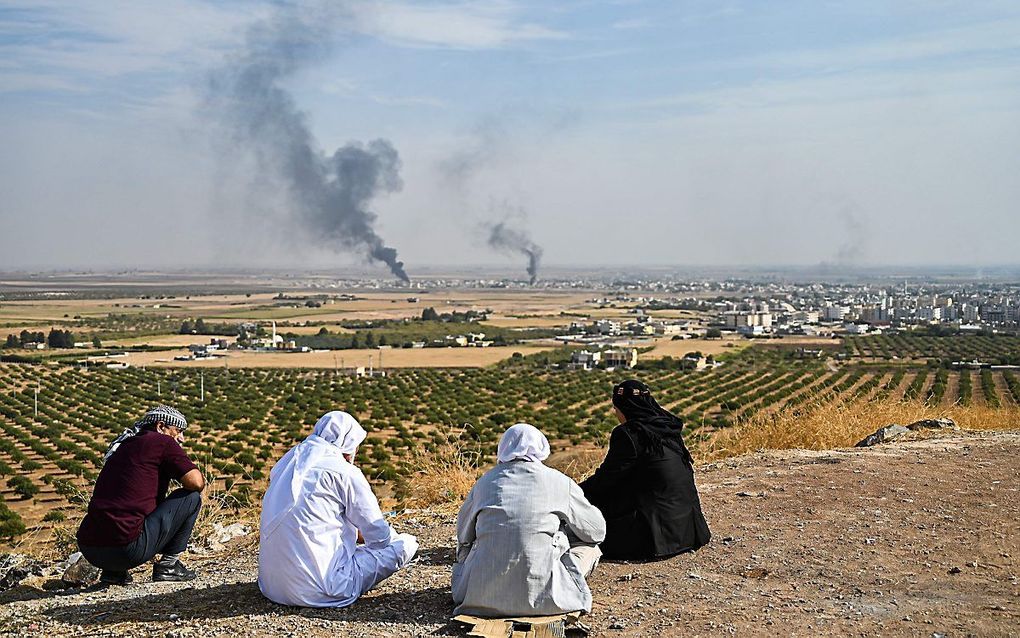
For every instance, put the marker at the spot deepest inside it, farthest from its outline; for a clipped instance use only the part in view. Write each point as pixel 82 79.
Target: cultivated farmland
pixel 890 347
pixel 249 417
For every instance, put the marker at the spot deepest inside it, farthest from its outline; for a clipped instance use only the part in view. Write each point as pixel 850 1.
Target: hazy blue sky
pixel 623 132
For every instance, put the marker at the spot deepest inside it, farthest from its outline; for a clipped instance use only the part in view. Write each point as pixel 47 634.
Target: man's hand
pixel 193 481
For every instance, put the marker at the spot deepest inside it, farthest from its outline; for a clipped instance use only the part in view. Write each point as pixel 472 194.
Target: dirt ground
pixel 392 358
pixel 911 538
pixel 666 347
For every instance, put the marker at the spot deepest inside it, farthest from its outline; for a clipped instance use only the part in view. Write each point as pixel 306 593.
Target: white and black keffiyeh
pixel 159 414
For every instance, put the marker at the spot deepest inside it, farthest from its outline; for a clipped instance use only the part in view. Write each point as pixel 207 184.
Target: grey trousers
pixel 586 557
pixel 165 531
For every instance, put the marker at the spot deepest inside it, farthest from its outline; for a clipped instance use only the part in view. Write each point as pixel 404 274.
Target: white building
pixel 805 316
pixel 620 357
pixel 606 327
pixel 742 321
pixel 835 313
pixel 585 360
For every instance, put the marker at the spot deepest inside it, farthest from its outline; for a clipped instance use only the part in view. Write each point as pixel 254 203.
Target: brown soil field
pixel 529 322
pixel 393 358
pixel 162 340
pixel 310 330
pixel 666 347
pixel 261 307
pixel 55 309
pixel 914 538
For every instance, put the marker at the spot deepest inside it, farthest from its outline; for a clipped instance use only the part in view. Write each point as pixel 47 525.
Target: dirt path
pixel 952 395
pixel 977 395
pixel 1003 389
pixel 910 538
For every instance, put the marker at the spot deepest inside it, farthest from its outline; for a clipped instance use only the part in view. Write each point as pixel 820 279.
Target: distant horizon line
pixel 368 270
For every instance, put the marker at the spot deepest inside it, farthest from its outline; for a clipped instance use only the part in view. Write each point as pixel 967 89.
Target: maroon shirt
pixel 130 486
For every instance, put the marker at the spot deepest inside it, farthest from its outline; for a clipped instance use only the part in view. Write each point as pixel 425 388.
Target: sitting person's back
pixel 645 487
pixel 526 536
pixel 316 505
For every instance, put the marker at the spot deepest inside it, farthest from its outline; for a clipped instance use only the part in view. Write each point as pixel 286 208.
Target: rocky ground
pixel 916 537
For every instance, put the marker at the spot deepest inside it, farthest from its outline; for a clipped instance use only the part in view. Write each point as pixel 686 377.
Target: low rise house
pixel 620 357
pixel 585 360
pixel 857 328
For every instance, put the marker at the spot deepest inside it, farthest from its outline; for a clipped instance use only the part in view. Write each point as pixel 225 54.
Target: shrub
pixel 11 524
pixel 23 486
pixel 30 465
pixel 54 516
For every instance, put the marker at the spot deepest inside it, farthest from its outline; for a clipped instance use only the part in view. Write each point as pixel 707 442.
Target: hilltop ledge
pixel 914 537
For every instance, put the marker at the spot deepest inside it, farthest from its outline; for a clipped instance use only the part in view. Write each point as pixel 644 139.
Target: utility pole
pixel 37 400
pixel 201 381
pixel 159 389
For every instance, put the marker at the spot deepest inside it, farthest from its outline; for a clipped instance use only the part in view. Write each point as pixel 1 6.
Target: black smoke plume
pixel 331 194
pixel 508 239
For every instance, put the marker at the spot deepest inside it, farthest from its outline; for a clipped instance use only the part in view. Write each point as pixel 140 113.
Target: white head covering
pixel 336 433
pixel 341 430
pixel 524 442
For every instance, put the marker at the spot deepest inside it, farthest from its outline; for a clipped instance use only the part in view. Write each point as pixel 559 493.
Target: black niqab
pixel 656 425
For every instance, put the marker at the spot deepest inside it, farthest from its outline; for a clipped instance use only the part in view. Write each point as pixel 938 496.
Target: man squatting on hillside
pixel 131 518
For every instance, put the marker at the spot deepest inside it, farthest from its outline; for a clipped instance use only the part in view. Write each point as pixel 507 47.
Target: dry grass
pixel 666 347
pixel 578 463
pixel 834 424
pixel 226 507
pixel 441 477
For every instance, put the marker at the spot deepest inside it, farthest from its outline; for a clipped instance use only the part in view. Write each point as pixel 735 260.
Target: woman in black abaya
pixel 645 486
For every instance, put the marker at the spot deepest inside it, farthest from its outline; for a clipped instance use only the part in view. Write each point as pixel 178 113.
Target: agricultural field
pixel 245 418
pixel 996 349
pixel 337 359
pixel 148 315
pixel 154 328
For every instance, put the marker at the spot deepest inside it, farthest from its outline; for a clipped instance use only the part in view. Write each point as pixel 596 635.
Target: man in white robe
pixel 527 537
pixel 316 505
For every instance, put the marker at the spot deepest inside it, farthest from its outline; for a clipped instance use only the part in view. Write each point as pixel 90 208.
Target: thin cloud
pixel 70 42
pixel 468 25
pixel 839 89
pixel 631 24
pixel 350 88
pixel 93 41
pixel 977 38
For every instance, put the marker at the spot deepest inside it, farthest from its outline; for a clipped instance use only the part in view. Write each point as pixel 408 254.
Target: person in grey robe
pixel 527 538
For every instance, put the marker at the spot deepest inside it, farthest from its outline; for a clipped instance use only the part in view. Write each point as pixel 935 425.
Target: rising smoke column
pixel 855 234
pixel 508 239
pixel 331 194
pixel 488 146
